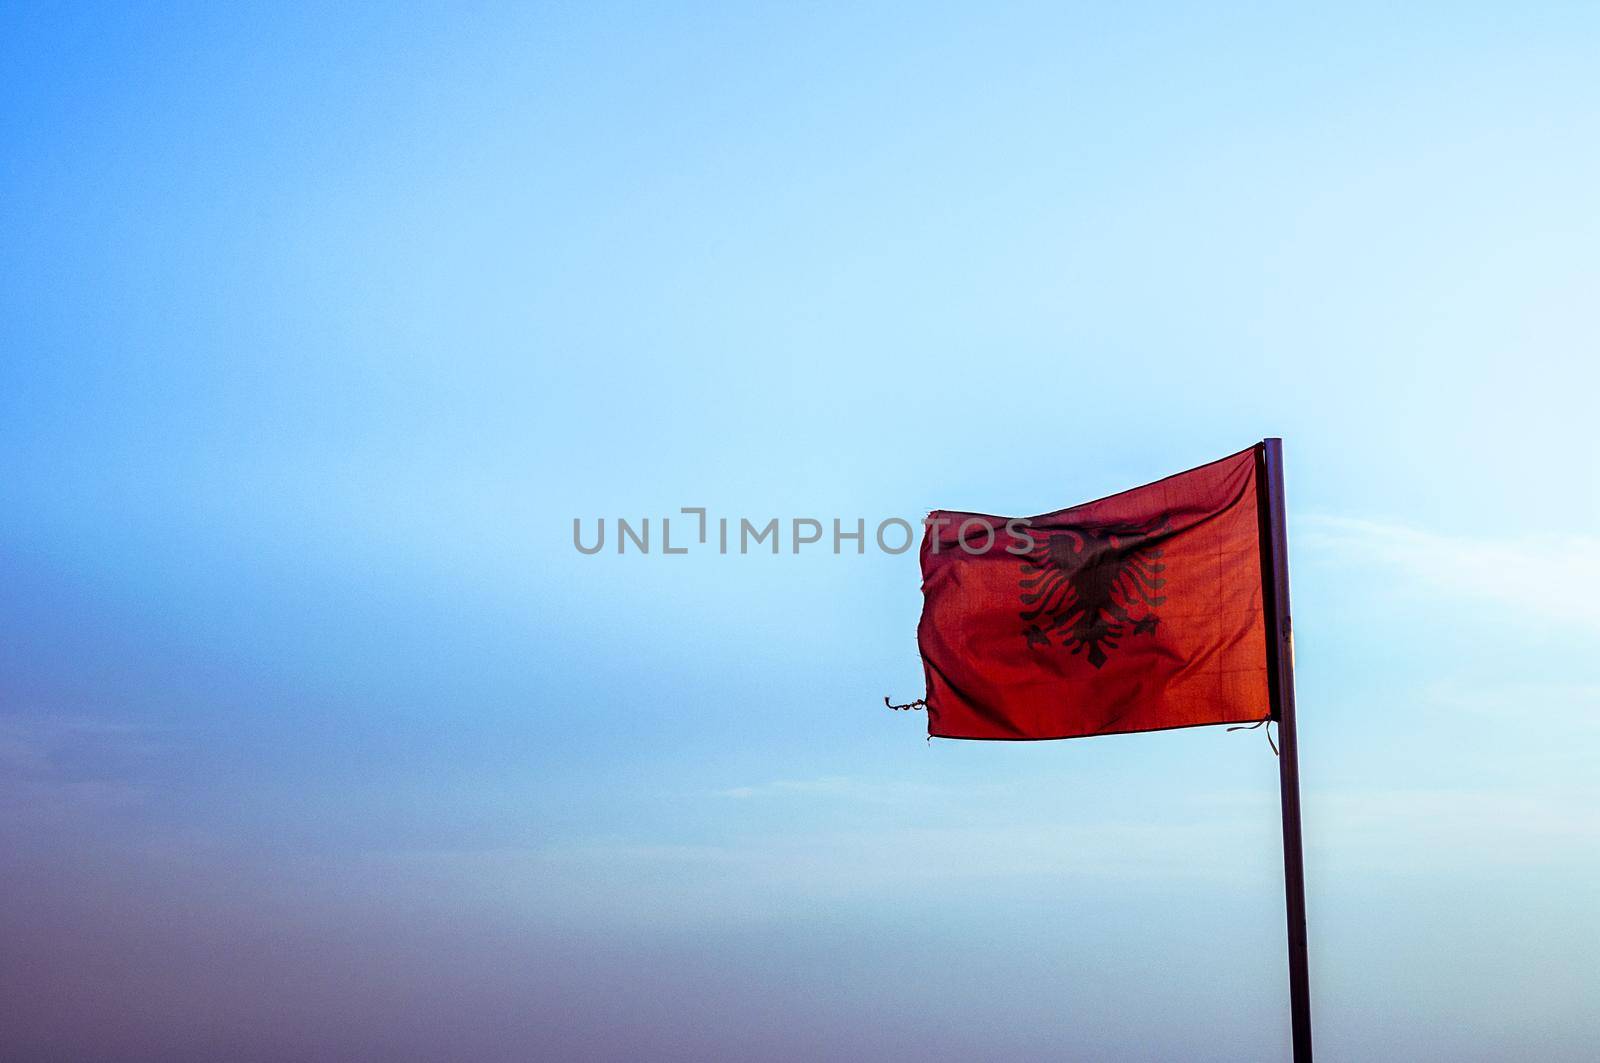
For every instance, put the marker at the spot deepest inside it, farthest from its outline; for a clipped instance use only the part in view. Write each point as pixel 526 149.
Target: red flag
pixel 1137 612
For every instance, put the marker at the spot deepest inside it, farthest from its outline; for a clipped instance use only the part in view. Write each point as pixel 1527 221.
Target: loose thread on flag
pixel 908 706
pixel 1267 723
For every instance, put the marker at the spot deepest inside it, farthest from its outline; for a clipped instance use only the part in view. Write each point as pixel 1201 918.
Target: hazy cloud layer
pixel 1554 576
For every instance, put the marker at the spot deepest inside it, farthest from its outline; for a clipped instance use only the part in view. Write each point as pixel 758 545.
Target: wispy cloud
pixel 35 741
pixel 1456 829
pixel 760 874
pixel 59 769
pixel 875 791
pixel 1556 576
pixel 1564 705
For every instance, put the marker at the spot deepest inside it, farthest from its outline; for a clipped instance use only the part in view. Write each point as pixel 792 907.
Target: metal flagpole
pixel 1280 643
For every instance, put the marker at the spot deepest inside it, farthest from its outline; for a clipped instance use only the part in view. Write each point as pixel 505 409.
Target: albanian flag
pixel 1138 612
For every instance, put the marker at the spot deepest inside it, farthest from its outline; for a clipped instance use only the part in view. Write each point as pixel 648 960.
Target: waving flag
pixel 1137 612
pixel 1164 606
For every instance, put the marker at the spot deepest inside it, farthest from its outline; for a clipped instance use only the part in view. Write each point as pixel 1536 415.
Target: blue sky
pixel 319 740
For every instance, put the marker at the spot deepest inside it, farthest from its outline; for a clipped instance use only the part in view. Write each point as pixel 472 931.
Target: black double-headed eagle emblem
pixel 1087 588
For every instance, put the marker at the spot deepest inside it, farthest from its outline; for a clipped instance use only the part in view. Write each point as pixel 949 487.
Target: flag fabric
pixel 1140 611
